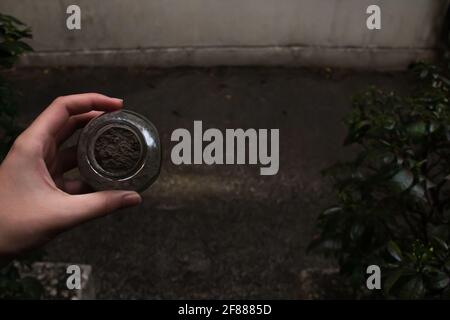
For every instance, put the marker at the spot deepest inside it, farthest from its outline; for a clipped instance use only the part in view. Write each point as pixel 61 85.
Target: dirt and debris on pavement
pixel 212 231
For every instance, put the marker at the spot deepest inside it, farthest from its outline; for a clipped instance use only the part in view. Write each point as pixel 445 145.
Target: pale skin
pixel 36 201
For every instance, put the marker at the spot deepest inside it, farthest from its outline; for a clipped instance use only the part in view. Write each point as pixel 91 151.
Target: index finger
pixel 53 119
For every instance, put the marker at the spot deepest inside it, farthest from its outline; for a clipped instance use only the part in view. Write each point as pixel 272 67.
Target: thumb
pixel 93 205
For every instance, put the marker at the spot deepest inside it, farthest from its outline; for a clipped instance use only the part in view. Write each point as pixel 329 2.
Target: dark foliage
pixel 12 284
pixel 393 198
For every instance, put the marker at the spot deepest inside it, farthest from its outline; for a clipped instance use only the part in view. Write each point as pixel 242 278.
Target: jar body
pixel 119 150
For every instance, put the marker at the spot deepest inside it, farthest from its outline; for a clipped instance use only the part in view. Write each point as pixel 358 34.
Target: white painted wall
pixel 234 32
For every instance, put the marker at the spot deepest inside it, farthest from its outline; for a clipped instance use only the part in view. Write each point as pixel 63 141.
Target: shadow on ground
pixel 212 231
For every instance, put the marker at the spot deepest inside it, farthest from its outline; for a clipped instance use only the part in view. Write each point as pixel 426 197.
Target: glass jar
pixel 119 150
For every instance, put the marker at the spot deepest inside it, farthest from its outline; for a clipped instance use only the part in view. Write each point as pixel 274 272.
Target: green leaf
pixel 413 289
pixel 418 129
pixel 389 124
pixel 392 279
pixel 423 73
pixel 434 126
pixel 24 46
pixel 447 265
pixel 356 131
pixel 356 231
pixel 441 243
pixel 419 192
pixel 403 179
pixel 394 251
pixel 388 158
pixel 331 211
pixel 439 280
pixel 446 294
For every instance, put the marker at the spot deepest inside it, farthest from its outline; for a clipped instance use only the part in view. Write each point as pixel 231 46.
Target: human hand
pixel 36 201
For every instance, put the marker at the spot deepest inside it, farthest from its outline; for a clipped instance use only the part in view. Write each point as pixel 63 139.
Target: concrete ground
pixel 212 231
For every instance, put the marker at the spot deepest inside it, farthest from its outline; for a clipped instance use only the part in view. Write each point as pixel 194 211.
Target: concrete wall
pixel 231 32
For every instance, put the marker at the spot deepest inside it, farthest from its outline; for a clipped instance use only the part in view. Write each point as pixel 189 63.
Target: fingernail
pixel 119 100
pixel 131 199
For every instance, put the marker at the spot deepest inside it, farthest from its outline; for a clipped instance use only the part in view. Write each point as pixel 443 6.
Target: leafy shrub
pixel 393 198
pixel 12 31
pixel 13 285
